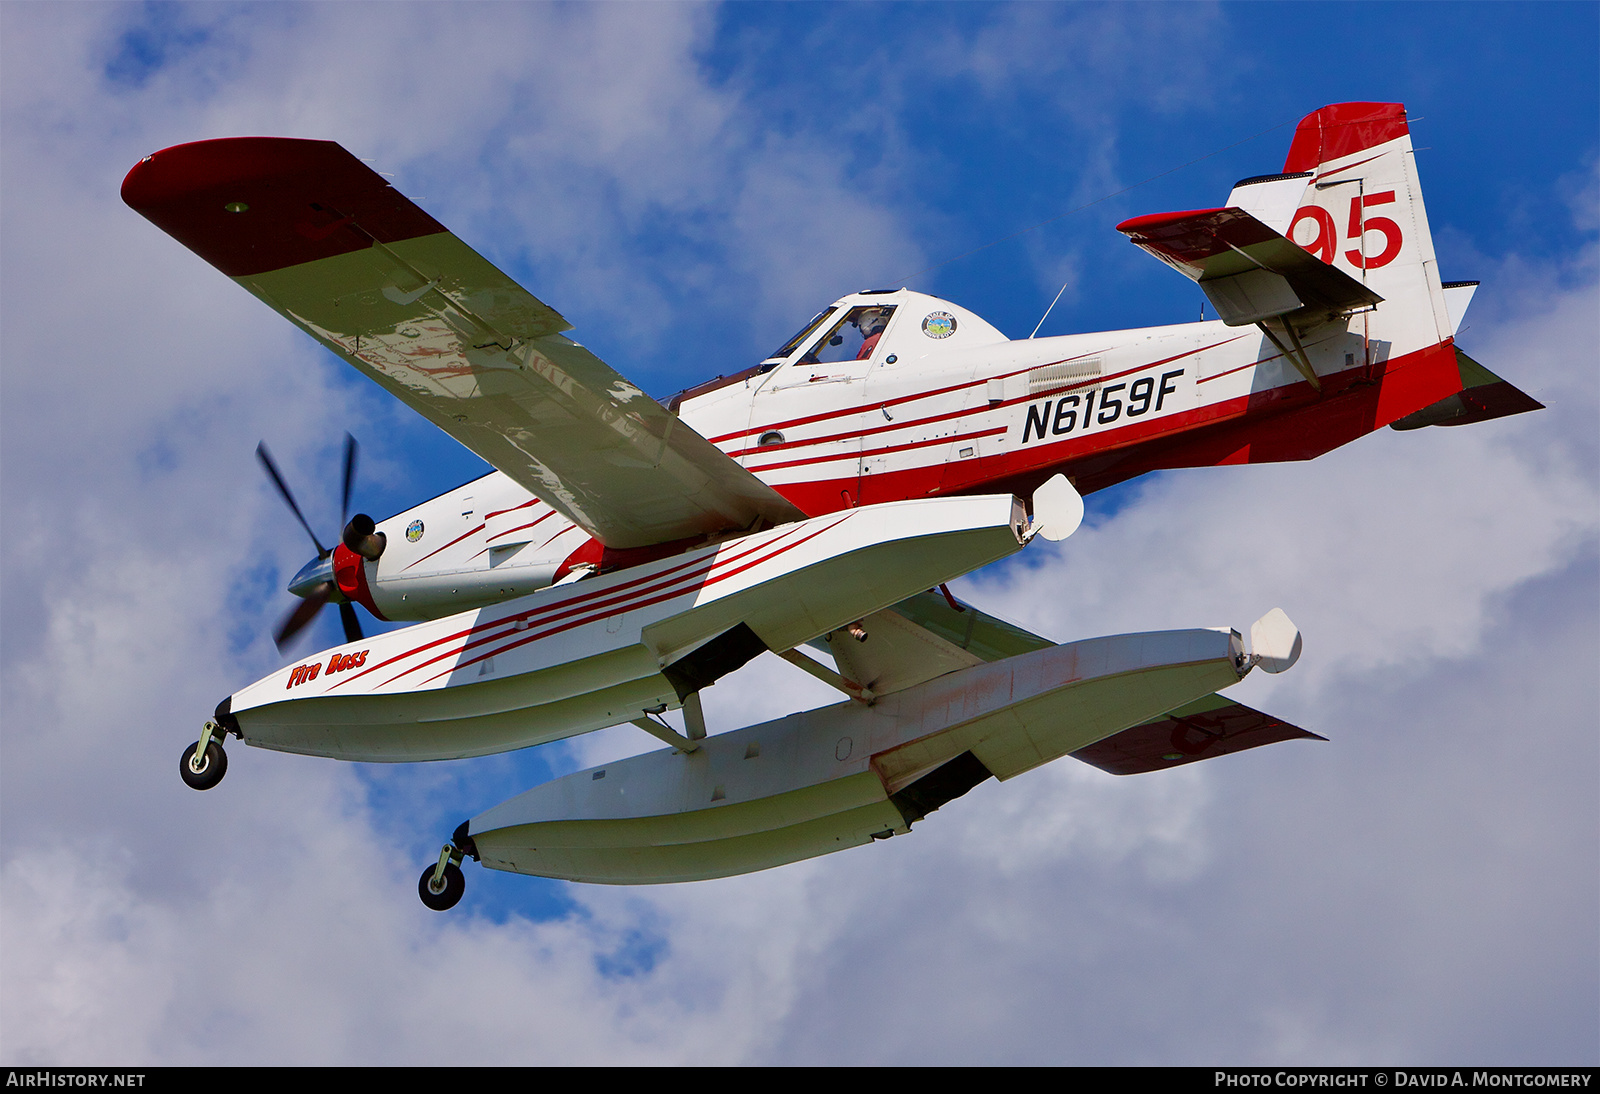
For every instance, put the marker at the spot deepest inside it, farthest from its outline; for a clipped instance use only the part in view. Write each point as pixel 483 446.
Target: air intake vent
pixel 1055 377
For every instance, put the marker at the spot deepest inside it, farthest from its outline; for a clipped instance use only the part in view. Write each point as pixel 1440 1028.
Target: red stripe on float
pixel 621 598
pixel 708 583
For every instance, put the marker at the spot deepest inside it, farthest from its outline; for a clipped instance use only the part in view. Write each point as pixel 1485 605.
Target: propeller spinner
pixel 315 583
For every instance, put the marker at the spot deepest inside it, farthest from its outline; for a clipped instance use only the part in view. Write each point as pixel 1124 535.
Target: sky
pixel 687 185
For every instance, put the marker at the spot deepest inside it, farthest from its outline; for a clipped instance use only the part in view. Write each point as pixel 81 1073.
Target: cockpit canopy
pixel 849 332
pixel 851 329
pixel 881 328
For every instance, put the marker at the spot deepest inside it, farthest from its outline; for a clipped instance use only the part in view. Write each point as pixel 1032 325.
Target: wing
pixel 1248 271
pixel 1212 726
pixel 324 241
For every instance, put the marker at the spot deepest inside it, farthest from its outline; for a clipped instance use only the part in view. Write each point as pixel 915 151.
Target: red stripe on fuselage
pixel 891 427
pixel 513 509
pixel 822 416
pixel 862 454
pixel 1290 422
pixel 964 412
pixel 519 527
pixel 469 532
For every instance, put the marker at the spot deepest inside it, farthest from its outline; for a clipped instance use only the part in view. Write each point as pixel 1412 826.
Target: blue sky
pixel 687 185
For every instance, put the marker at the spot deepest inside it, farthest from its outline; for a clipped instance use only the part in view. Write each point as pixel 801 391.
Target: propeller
pixel 358 535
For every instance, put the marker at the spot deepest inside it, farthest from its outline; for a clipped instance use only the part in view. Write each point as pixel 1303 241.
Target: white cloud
pixel 1423 887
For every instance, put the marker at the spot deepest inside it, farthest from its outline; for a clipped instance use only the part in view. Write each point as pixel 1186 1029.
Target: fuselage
pixel 941 403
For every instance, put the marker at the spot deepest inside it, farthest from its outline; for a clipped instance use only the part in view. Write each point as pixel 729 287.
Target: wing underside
pixel 327 243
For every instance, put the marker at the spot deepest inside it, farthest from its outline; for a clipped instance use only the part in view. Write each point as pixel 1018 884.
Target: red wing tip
pixel 1152 221
pixel 249 205
pixel 183 169
pixel 1343 129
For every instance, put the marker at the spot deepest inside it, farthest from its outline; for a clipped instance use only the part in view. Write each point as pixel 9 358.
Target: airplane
pixel 625 554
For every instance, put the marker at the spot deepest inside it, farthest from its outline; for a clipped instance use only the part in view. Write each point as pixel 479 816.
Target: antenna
pixel 1051 308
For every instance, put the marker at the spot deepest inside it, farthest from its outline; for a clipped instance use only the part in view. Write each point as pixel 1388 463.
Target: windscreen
pixel 853 338
pixel 805 332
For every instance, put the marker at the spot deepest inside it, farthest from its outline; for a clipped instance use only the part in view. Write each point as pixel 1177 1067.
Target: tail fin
pixel 1349 196
pixel 1362 212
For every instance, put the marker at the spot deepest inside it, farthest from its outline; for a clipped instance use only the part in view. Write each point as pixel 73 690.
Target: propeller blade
pixel 303 613
pixel 283 488
pixel 352 625
pixel 350 448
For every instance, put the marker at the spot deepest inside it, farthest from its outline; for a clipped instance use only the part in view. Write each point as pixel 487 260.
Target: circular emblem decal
pixel 414 531
pixel 939 324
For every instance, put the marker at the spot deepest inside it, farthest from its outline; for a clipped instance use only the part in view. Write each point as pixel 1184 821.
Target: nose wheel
pixel 204 762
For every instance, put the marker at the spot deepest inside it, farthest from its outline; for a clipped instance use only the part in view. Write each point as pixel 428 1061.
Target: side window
pixel 853 337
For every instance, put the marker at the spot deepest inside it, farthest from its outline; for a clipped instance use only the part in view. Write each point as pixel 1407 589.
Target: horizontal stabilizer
pixel 1248 271
pixel 918 639
pixel 896 654
pixel 1212 726
pixel 1483 397
pixel 962 625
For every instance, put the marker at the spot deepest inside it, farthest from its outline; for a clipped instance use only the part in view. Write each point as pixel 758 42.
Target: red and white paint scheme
pixel 626 553
pixel 622 645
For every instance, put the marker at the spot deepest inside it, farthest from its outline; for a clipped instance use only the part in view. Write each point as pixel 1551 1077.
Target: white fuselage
pixel 921 417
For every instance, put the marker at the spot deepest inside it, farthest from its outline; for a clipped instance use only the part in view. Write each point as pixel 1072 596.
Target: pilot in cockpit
pixel 870 323
pixel 842 343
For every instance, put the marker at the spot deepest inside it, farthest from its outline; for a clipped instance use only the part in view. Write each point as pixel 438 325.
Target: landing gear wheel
pixel 447 897
pixel 206 771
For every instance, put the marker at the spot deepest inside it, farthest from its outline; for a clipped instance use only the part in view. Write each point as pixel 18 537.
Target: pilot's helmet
pixel 872 321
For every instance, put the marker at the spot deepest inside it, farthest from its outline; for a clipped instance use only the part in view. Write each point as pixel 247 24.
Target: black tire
pixel 212 768
pixel 454 886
